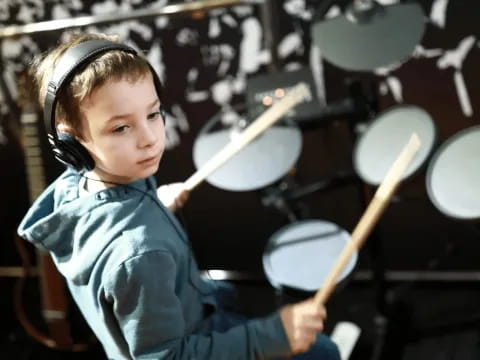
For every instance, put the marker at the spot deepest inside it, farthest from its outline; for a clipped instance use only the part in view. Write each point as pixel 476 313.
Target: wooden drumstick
pixel 370 216
pixel 298 94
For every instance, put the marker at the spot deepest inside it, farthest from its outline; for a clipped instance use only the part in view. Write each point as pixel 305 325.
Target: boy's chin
pixel 148 172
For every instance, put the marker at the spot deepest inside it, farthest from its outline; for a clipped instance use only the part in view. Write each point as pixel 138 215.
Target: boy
pixel 125 258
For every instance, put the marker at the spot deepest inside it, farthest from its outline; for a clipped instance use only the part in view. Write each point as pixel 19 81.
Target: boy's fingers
pixel 313 324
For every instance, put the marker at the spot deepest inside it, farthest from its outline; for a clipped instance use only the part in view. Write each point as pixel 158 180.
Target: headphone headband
pixel 67 66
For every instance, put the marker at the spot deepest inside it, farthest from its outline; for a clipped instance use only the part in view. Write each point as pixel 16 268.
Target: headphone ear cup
pixel 70 152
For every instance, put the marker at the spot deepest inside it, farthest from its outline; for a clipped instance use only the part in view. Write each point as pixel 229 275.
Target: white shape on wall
pixel 291 43
pixel 298 8
pixel 438 13
pixel 176 122
pixel 455 59
pixel 251 53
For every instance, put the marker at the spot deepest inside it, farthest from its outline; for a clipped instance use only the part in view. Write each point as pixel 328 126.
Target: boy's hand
pixel 173 196
pixel 302 321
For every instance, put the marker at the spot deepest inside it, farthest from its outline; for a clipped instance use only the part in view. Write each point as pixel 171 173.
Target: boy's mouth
pixel 148 160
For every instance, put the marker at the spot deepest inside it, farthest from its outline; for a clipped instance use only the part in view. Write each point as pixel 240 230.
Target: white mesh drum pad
pixel 301 255
pixel 453 176
pixel 382 142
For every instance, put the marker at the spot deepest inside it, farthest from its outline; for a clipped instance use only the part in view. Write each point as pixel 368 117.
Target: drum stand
pixel 389 320
pixel 391 315
pixel 284 197
pixel 393 325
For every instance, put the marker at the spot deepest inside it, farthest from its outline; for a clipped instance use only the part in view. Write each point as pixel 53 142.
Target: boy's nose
pixel 147 137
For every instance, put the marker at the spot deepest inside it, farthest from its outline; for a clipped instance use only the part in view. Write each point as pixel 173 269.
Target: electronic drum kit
pixel 299 255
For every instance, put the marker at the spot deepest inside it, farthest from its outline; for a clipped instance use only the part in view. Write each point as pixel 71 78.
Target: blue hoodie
pixel 129 268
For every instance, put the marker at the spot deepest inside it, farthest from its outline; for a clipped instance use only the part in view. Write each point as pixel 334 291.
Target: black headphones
pixel 66 148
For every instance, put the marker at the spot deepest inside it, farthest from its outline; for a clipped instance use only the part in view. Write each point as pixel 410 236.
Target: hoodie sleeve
pixel 142 293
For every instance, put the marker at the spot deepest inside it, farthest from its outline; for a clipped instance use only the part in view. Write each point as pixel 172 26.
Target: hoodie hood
pixel 61 223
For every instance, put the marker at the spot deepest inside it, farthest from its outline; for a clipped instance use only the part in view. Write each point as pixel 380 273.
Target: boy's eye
pixel 120 129
pixel 154 115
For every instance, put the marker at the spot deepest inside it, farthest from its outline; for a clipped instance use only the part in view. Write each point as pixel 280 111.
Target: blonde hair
pixel 112 65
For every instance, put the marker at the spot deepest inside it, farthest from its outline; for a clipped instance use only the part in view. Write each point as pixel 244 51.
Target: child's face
pixel 123 129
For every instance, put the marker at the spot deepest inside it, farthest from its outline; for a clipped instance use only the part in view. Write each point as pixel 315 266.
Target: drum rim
pixel 428 178
pixel 277 233
pixel 376 119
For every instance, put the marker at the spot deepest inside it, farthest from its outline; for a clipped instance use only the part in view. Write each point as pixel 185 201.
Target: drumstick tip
pixel 415 140
pixel 304 90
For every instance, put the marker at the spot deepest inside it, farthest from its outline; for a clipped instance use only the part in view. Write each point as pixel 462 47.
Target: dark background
pixel 229 230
